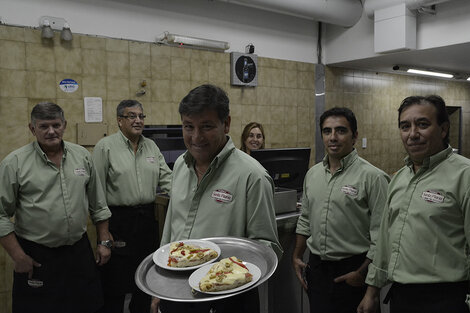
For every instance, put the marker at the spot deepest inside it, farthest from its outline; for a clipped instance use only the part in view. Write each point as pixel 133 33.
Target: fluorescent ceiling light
pixel 429 73
pixel 180 40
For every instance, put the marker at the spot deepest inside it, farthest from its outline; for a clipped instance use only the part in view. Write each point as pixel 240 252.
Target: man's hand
pixel 297 258
pixel 25 264
pixel 370 302
pixel 155 304
pixel 103 254
pixel 354 279
pixel 299 268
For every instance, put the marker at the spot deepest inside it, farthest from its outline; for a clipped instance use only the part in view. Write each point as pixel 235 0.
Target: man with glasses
pixel 50 187
pixel 131 168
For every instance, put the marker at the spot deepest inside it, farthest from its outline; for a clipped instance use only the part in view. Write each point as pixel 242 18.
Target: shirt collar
pixel 433 159
pixel 43 155
pixel 129 143
pixel 219 158
pixel 345 162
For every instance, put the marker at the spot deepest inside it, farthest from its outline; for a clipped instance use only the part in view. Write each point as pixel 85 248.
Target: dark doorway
pixel 455 135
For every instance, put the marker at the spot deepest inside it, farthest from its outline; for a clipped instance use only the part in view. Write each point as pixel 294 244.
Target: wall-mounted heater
pixel 193 42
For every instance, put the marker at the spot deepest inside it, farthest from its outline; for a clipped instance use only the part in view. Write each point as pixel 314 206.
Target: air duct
pixel 370 6
pixel 344 13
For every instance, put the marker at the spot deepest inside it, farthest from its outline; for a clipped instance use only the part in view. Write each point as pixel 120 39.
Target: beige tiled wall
pixel 375 98
pixel 31 69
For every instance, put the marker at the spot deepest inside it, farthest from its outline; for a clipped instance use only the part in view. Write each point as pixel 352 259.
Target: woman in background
pixel 252 137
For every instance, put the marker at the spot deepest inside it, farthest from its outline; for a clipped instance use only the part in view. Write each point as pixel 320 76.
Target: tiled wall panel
pixel 113 69
pixel 283 101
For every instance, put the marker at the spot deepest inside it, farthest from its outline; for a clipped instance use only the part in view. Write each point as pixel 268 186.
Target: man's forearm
pixel 102 230
pixel 12 246
pixel 300 246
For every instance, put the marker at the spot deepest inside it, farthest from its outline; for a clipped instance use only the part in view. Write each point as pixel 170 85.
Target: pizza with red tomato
pixel 183 255
pixel 228 273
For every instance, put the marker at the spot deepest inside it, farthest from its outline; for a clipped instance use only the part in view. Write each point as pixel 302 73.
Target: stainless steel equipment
pixel 285 200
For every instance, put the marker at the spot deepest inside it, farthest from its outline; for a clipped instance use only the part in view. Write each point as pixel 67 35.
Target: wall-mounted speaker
pixel 243 69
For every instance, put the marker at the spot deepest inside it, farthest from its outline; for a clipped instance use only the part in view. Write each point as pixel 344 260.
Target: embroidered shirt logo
pixel 221 195
pixel 349 190
pixel 432 196
pixel 150 159
pixel 79 171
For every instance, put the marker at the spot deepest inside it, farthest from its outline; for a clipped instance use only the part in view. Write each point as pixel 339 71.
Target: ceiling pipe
pixel 344 13
pixel 370 6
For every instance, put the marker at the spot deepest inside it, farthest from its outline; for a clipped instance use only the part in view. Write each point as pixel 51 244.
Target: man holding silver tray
pixel 217 190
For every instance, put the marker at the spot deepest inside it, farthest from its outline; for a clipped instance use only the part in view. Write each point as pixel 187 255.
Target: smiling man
pixel 50 187
pixel 341 211
pixel 423 244
pixel 131 168
pixel 217 190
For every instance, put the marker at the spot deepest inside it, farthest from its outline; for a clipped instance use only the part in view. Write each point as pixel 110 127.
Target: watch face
pixel 107 243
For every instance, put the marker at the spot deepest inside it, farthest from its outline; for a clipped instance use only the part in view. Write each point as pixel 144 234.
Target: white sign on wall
pixel 93 109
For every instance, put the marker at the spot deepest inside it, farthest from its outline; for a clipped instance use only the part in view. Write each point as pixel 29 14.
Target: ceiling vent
pixel 337 12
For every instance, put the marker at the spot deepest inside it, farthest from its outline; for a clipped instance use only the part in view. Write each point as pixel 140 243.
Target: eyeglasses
pixel 132 117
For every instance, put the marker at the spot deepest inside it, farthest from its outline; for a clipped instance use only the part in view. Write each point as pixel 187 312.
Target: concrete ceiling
pixel 454 59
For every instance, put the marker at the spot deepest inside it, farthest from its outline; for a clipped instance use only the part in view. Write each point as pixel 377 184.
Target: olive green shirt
pixel 50 205
pixel 341 213
pixel 425 230
pixel 130 178
pixel 234 198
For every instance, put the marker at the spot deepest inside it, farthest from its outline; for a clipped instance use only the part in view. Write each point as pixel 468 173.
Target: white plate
pixel 198 274
pixel 160 257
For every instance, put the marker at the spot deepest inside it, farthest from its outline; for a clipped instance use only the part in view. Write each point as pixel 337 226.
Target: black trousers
pixel 326 296
pixel 135 233
pixel 429 298
pixel 247 302
pixel 67 280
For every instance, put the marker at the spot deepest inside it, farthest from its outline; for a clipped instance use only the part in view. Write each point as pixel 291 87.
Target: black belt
pixel 428 288
pixel 349 260
pixel 30 243
pixel 147 206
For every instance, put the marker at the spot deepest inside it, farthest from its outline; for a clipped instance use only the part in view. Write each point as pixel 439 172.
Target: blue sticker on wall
pixel 68 85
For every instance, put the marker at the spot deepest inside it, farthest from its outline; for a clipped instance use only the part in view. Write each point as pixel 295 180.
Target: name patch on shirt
pixel 221 195
pixel 432 196
pixel 79 171
pixel 150 159
pixel 349 190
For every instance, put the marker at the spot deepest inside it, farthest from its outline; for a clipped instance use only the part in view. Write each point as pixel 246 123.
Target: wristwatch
pixel 107 243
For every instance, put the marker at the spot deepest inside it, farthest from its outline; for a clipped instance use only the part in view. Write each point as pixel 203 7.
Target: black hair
pixel 347 113
pixel 441 113
pixel 127 104
pixel 206 97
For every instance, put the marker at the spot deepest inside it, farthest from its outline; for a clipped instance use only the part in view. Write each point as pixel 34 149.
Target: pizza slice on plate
pixel 228 273
pixel 183 255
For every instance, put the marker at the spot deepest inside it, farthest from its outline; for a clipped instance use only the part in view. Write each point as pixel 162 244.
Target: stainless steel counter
pixel 284 292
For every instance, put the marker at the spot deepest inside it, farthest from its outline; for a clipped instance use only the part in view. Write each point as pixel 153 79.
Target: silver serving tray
pixel 174 286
